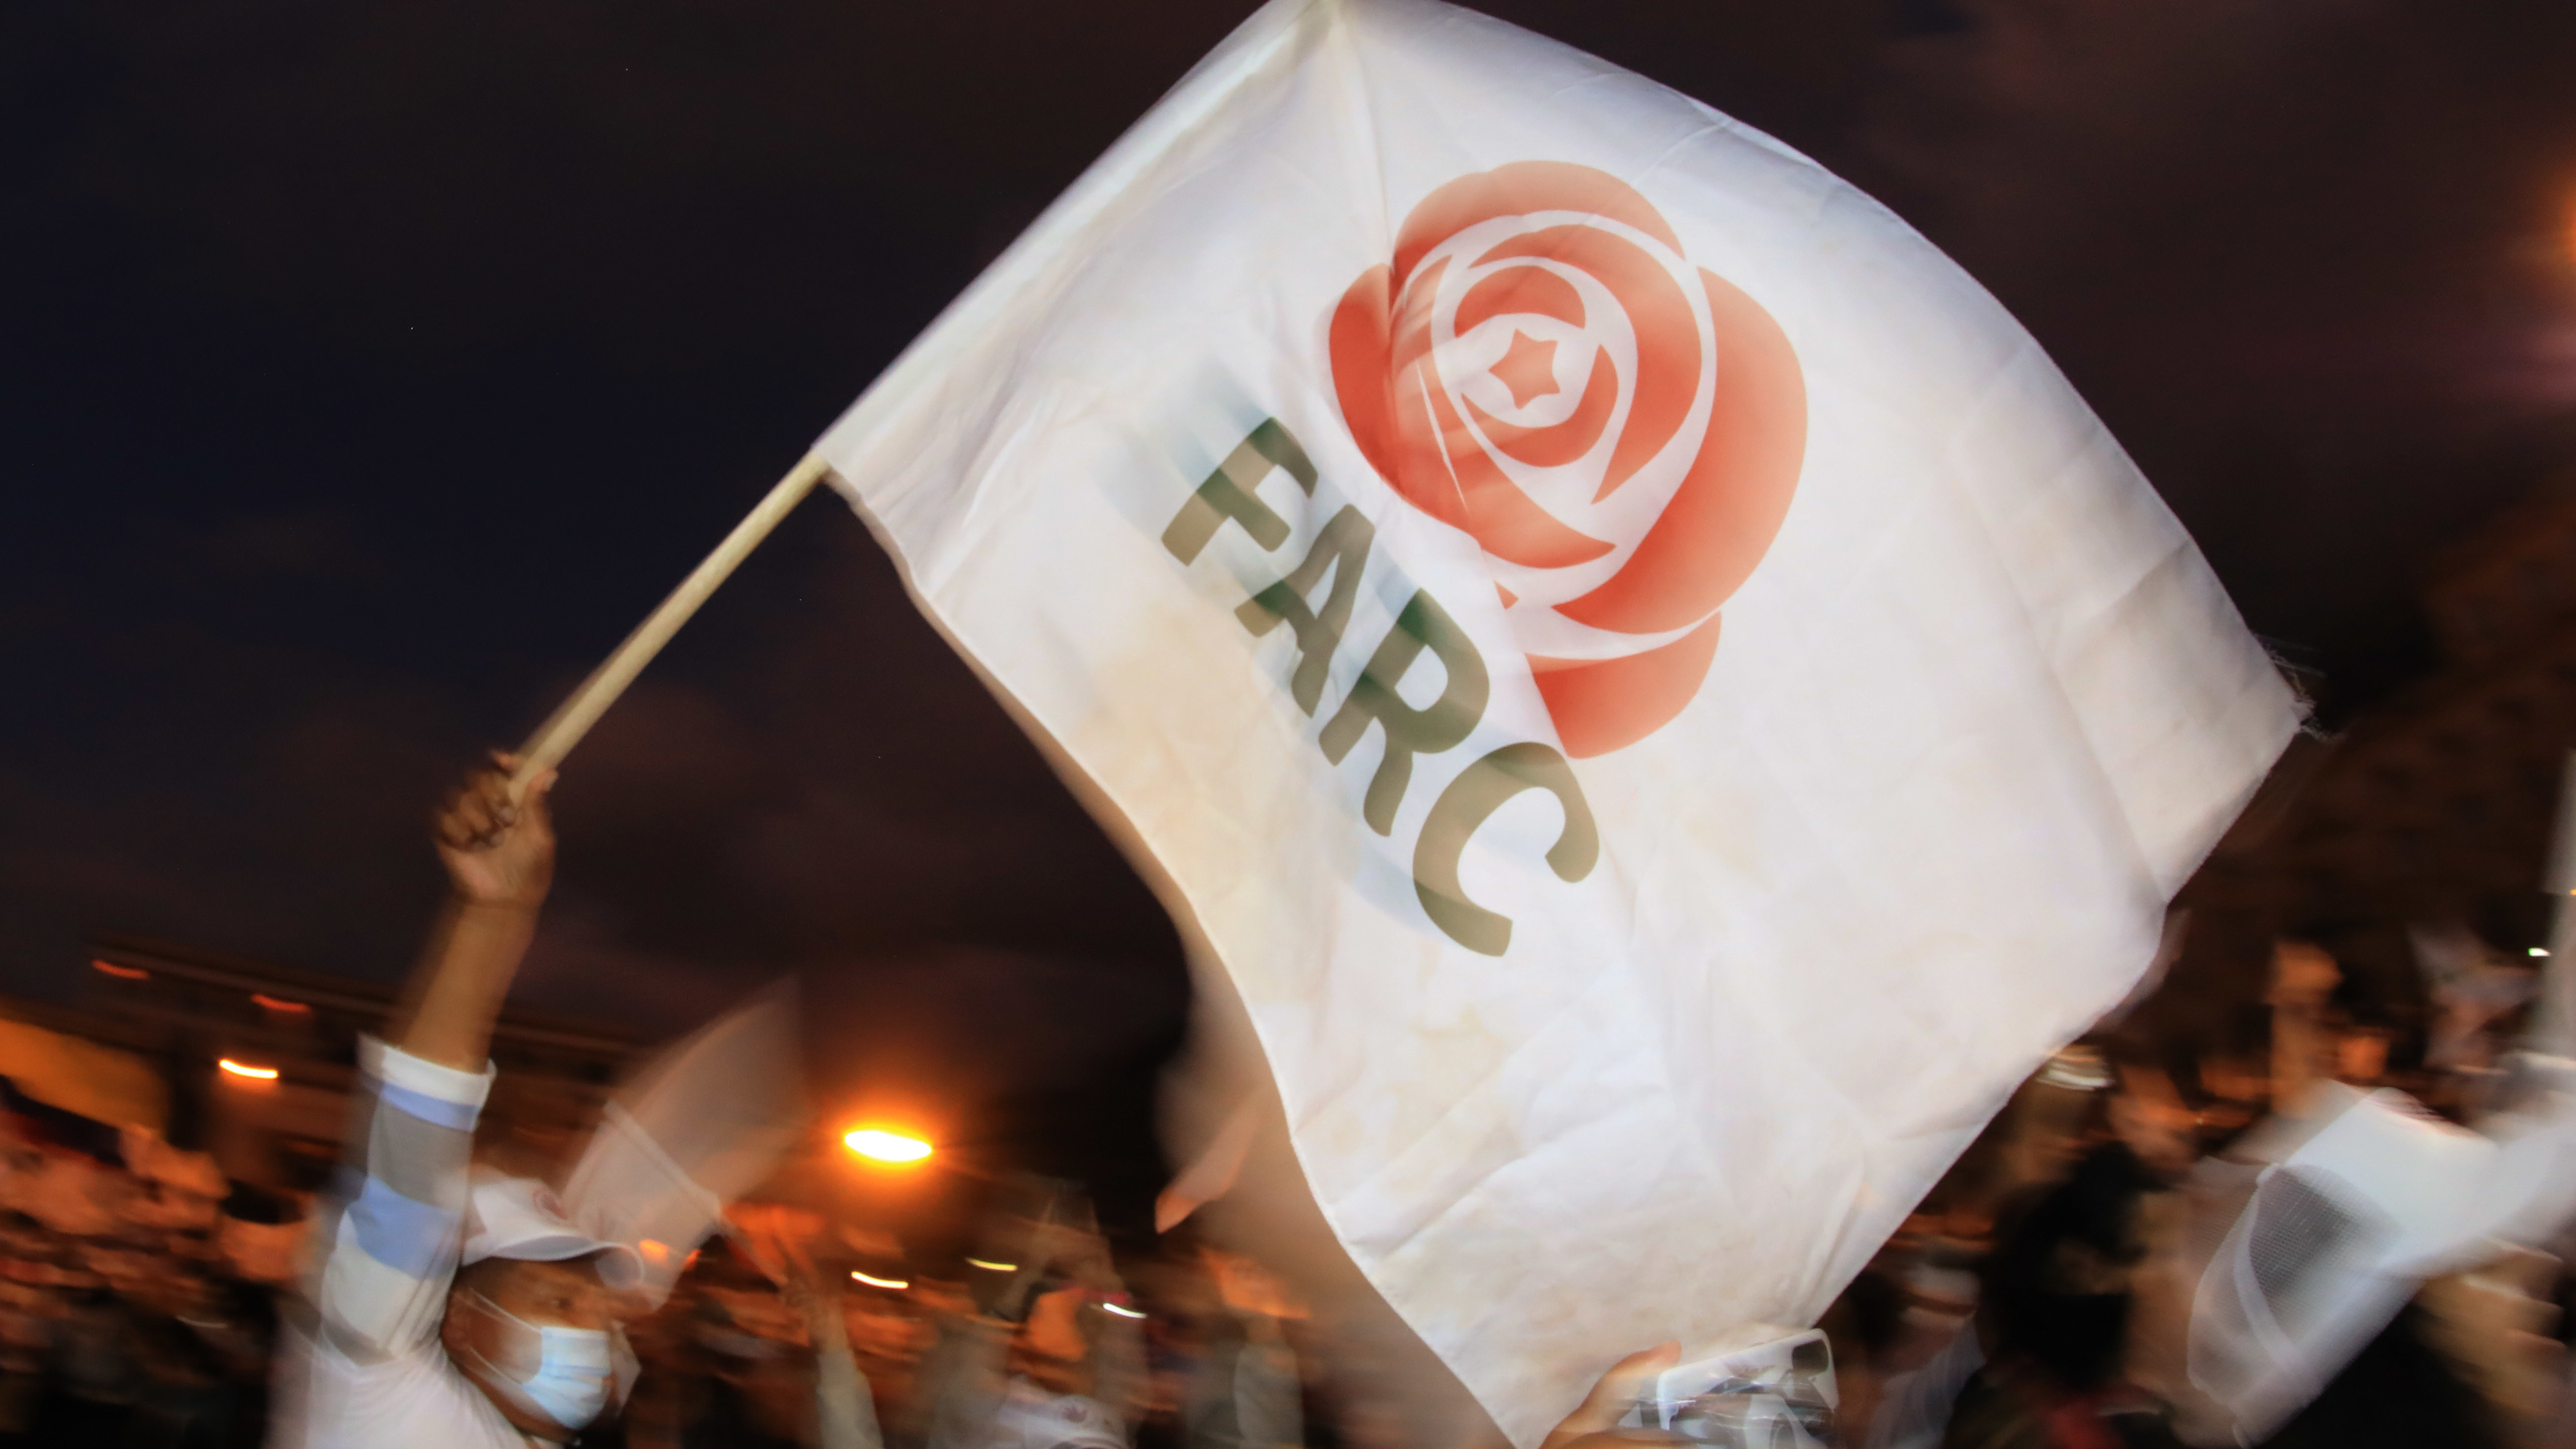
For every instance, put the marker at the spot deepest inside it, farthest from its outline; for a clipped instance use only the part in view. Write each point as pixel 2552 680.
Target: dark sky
pixel 367 370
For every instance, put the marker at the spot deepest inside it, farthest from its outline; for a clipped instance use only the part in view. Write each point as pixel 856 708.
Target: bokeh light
pixel 879 1145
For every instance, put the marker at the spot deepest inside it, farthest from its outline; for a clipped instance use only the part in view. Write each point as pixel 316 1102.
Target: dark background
pixel 366 371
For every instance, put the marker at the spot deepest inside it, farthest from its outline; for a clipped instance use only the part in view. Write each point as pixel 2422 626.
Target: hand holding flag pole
pixel 573 718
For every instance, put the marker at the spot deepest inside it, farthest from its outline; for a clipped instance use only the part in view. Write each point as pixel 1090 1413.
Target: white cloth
pixel 707 1120
pixel 412 1400
pixel 1663 969
pixel 2309 1248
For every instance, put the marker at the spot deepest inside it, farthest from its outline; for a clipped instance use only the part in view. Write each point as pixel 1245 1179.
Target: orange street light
pixel 882 1146
pixel 897 1284
pixel 245 1069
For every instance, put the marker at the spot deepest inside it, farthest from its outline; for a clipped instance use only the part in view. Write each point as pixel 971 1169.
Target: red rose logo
pixel 1618 429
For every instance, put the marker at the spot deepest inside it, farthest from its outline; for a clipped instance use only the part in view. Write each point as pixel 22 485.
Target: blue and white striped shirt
pixel 362 1364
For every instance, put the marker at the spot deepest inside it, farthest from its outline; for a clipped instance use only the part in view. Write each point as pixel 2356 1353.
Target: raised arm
pixel 845 1411
pixel 390 1240
pixel 500 858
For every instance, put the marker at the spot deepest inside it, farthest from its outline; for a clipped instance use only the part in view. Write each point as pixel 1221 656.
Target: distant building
pixel 258 1060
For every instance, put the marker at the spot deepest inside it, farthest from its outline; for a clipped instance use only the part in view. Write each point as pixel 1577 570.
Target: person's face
pixel 2361 1057
pixel 544 1295
pixel 554 1295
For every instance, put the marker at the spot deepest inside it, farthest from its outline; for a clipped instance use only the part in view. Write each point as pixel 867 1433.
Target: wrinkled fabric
pixel 1803 710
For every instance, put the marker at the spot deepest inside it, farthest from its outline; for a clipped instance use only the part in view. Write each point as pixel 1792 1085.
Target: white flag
pixel 1662 699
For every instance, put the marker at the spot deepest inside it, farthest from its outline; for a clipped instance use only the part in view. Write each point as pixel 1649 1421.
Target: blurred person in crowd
pixel 1057 1363
pixel 1865 1325
pixel 753 1391
pixel 202 1358
pixel 2399 1389
pixel 2148 1115
pixel 844 1402
pixel 2305 1042
pixel 2284 1314
pixel 2053 1319
pixel 2362 1051
pixel 2048 1125
pixel 447 1310
pixel 889 1332
pixel 670 1368
pixel 2035 1140
pixel 2088 1149
pixel 736 1360
pixel 2472 994
pixel 455 1308
pixel 2494 1327
pixel 25 1327
pixel 1226 1374
pixel 92 1354
pixel 2234 1077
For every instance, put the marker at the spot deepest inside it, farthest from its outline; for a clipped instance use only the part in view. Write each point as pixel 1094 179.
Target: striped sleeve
pixel 391 1241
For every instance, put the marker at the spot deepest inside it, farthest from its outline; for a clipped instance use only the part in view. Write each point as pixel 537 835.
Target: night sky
pixel 367 370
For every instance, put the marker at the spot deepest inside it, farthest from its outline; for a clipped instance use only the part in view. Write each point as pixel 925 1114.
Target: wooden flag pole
pixel 573 718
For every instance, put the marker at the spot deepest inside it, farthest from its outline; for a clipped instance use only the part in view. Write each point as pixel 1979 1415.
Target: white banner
pixel 1664 702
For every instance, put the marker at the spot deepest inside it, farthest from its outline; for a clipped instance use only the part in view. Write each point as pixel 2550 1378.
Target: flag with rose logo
pixel 1661 700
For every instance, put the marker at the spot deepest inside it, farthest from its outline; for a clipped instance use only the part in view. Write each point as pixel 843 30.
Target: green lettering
pixel 1343 547
pixel 1227 493
pixel 1474 796
pixel 1409 731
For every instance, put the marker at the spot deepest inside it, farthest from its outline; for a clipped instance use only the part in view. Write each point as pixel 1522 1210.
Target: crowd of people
pixel 144 1329
pixel 2082 1279
pixel 2225 1243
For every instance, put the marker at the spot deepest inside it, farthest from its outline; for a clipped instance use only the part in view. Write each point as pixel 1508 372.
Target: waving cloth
pixel 1657 693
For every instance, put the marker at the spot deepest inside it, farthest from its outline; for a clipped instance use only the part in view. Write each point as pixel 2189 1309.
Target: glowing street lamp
pixel 882 1146
pixel 893 1284
pixel 245 1069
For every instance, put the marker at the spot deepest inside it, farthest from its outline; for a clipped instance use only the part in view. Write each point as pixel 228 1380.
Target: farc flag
pixel 1664 702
